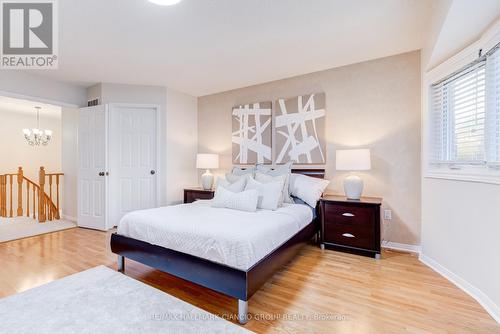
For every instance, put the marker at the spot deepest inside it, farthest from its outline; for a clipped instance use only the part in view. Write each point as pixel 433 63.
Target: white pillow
pixel 244 201
pixel 269 193
pixel 235 187
pixel 232 178
pixel 264 178
pixel 309 189
pixel 285 169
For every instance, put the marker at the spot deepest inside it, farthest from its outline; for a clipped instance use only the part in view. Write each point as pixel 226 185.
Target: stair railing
pixel 38 204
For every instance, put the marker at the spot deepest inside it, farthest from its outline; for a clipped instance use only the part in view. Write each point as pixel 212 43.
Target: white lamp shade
pixel 207 161
pixel 353 160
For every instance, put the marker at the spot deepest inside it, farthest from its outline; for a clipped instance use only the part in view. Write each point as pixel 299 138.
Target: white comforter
pixel 235 238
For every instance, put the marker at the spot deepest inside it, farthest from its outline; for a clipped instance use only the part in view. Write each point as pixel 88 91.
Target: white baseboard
pixel 485 301
pixel 71 219
pixel 401 247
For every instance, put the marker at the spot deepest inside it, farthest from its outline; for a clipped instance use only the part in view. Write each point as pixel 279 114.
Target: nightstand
pixel 351 226
pixel 193 194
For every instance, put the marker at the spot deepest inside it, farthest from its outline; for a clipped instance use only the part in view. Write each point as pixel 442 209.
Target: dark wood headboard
pixel 318 173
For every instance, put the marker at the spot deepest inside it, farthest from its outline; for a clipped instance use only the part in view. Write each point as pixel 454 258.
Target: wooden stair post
pixel 57 203
pixel 3 195
pixel 20 177
pixel 41 196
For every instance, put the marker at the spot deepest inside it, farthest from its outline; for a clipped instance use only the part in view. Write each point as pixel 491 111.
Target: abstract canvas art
pixel 300 129
pixel 252 133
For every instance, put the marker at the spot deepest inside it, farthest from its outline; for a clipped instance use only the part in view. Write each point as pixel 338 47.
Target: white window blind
pixel 493 108
pixel 465 115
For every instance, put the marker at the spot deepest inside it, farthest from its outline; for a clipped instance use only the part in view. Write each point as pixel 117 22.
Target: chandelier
pixel 37 137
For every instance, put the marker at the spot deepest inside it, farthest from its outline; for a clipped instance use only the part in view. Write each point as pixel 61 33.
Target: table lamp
pixel 207 161
pixel 353 160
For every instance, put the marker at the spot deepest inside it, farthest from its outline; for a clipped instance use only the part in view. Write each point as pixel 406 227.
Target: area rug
pixel 101 300
pixel 23 227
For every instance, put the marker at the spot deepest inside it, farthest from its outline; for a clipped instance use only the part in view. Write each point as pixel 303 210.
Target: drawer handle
pixel 348 235
pixel 347 214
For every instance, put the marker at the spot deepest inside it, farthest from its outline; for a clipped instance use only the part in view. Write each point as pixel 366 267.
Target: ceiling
pixel 202 47
pixel 464 23
pixel 28 107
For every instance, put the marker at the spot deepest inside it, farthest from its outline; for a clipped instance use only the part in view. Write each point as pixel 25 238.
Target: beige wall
pixel 69 162
pixel 182 144
pixel 375 104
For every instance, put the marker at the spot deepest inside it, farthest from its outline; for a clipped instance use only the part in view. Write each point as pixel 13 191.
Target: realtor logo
pixel 29 34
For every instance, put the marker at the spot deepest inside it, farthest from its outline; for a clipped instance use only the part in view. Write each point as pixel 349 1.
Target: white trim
pixel 401 247
pixel 37 99
pixel 478 295
pixel 466 177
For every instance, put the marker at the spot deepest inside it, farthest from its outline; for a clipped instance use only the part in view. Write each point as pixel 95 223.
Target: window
pixel 493 109
pixel 465 115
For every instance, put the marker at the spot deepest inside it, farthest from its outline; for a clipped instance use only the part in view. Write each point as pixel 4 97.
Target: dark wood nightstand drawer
pixel 350 235
pixel 350 215
pixel 351 225
pixel 191 195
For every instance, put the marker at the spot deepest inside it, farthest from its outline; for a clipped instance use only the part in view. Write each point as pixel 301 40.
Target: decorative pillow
pixel 244 201
pixel 285 169
pixel 240 171
pixel 269 193
pixel 235 187
pixel 264 178
pixel 309 189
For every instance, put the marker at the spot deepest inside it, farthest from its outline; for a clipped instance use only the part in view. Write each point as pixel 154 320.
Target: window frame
pixel 477 172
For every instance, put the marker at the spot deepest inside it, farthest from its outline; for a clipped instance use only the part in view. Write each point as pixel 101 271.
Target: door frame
pixel 38 99
pixel 157 107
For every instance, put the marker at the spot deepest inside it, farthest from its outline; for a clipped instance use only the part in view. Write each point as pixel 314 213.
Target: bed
pixel 212 253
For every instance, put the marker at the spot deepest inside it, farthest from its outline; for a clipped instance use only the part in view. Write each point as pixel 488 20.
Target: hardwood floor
pixel 397 294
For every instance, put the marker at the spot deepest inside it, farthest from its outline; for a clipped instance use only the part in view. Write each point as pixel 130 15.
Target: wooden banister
pixel 39 204
pixel 11 212
pixel 41 196
pixel 20 176
pixel 3 195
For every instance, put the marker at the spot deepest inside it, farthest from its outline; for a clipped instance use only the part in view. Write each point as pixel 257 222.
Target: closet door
pixel 92 162
pixel 133 159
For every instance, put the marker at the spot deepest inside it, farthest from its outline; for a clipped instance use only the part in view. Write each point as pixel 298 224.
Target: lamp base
pixel 207 180
pixel 353 187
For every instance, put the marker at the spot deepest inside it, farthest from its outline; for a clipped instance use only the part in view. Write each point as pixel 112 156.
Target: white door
pixel 132 160
pixel 92 162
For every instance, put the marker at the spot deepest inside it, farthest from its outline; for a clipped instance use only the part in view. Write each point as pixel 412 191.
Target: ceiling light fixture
pixel 165 2
pixel 37 136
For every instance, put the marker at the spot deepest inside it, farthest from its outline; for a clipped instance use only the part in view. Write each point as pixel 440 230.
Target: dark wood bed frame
pixel 230 281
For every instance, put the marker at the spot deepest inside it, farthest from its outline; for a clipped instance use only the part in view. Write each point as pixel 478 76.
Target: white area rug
pixel 101 300
pixel 22 227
